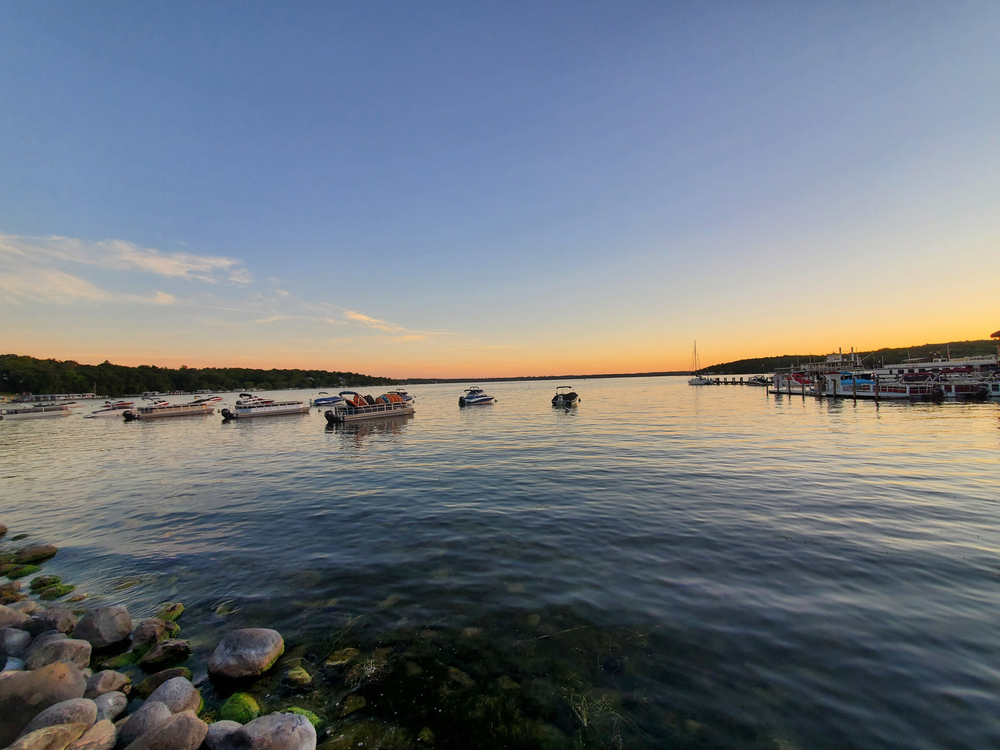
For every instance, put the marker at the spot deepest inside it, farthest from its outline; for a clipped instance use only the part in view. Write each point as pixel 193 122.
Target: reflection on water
pixel 657 566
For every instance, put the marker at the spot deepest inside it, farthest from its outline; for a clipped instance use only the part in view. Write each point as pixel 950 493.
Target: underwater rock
pixel 24 695
pixel 246 653
pixel 426 735
pixel 353 703
pixel 369 734
pixel 110 705
pixel 104 626
pixel 182 731
pixel 73 711
pixel 57 591
pixel 298 676
pixel 165 653
pixel 68 650
pixel 35 553
pixel 178 695
pixel 240 707
pixel 342 657
pixel 50 738
pixel 145 688
pixel 105 681
pixel 171 611
pixel 101 736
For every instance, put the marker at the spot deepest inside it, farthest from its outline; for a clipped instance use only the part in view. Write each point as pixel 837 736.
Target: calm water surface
pixel 707 566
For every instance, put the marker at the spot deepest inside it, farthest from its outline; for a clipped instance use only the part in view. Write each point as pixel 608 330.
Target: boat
pixel 565 396
pixel 759 380
pixel 111 409
pixel 475 396
pixel 160 409
pixel 354 407
pixel 37 411
pixel 699 378
pixel 325 399
pixel 249 405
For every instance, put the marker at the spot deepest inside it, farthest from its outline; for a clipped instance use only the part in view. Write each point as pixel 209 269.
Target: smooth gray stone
pixel 272 732
pixel 14 642
pixel 101 736
pixel 11 618
pixel 218 731
pixel 183 731
pixel 165 653
pixel 104 626
pixel 24 695
pixel 110 705
pixel 105 681
pixel 56 737
pixel 149 715
pixel 73 711
pixel 42 638
pixel 246 653
pixel 70 650
pixel 178 695
pixel 13 664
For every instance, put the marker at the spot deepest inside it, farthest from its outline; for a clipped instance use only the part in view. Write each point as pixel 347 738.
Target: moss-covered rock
pixel 20 571
pixel 43 582
pixel 241 707
pixel 313 718
pixel 298 676
pixel 171 611
pixel 120 661
pixel 54 592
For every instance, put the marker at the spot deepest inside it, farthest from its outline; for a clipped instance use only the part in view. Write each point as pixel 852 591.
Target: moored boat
pixel 160 409
pixel 354 407
pixel 111 409
pixel 37 411
pixel 698 377
pixel 565 396
pixel 475 396
pixel 325 399
pixel 248 406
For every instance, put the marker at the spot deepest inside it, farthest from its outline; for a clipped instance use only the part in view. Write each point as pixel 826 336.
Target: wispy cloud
pixel 52 286
pixel 277 318
pixel 370 322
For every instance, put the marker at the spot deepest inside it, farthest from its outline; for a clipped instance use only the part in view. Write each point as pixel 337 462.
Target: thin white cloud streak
pixel 370 322
pixel 51 286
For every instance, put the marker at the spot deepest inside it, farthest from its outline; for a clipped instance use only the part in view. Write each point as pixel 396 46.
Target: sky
pixel 462 189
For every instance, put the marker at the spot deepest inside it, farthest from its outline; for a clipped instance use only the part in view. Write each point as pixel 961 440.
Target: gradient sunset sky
pixel 461 189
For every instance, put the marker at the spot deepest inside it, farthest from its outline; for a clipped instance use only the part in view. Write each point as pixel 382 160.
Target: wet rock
pixel 367 734
pixel 313 718
pixel 3 529
pixel 35 553
pixel 11 618
pixel 110 705
pixel 353 703
pixel 165 653
pixel 74 711
pixel 105 681
pixel 240 707
pixel 51 619
pixel 150 714
pixel 27 606
pixel 178 695
pixel 171 611
pixel 272 732
pixel 150 631
pixel 183 731
pixel 104 626
pixel 246 653
pixel 119 661
pixel 14 642
pixel 76 598
pixel 55 592
pixel 20 571
pixel 70 650
pixel 50 738
pixel 298 676
pixel 145 688
pixel 218 731
pixel 342 657
pixel 24 695
pixel 9 589
pixel 101 736
pixel 43 582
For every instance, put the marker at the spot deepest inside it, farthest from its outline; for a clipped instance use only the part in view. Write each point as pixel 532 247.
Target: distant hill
pixel 872 358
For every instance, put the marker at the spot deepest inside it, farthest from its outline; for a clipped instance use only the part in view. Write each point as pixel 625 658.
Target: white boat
pixel 160 409
pixel 37 411
pixel 698 378
pixel 111 409
pixel 325 399
pixel 565 396
pixel 354 407
pixel 475 396
pixel 248 406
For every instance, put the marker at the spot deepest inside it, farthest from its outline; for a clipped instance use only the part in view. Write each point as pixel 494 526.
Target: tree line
pixel 28 375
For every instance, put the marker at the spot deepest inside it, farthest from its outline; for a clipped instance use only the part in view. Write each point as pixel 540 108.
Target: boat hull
pixel 359 414
pixel 252 412
pixel 35 414
pixel 166 412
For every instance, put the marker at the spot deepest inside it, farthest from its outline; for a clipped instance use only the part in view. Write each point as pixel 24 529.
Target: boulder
pixel 106 681
pixel 12 587
pixel 43 582
pixel 246 653
pixel 35 553
pixel 151 631
pixel 272 732
pixel 28 606
pixel 104 626
pixel 13 642
pixel 165 653
pixel 240 707
pixel 24 695
pixel 171 611
pixel 55 592
pixel 178 695
pixel 73 711
pixel 150 714
pixel 71 650
pixel 101 736
pixel 50 738
pixel 218 731
pixel 20 571
pixel 145 688
pixel 110 705
pixel 11 618
pixel 42 638
pixel 183 731
pixel 51 619
pixel 13 664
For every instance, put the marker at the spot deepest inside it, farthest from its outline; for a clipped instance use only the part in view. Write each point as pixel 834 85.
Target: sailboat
pixel 698 378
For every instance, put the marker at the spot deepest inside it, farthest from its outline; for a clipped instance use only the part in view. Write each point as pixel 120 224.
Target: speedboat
pixel 565 396
pixel 249 405
pixel 37 411
pixel 325 399
pixel 354 407
pixel 160 409
pixel 111 409
pixel 474 397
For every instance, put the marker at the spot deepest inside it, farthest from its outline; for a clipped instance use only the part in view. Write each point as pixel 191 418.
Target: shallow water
pixel 694 566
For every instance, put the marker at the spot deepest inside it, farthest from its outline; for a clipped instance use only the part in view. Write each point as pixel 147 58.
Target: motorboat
pixel 354 407
pixel 37 411
pixel 565 396
pixel 475 396
pixel 160 409
pixel 759 380
pixel 248 405
pixel 325 399
pixel 111 409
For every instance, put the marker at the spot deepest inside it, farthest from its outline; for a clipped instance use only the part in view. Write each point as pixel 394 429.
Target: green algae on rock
pixel 54 592
pixel 313 718
pixel 20 571
pixel 240 707
pixel 43 582
pixel 171 611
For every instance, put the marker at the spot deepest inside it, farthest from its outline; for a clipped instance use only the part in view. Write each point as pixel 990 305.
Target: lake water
pixel 661 565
